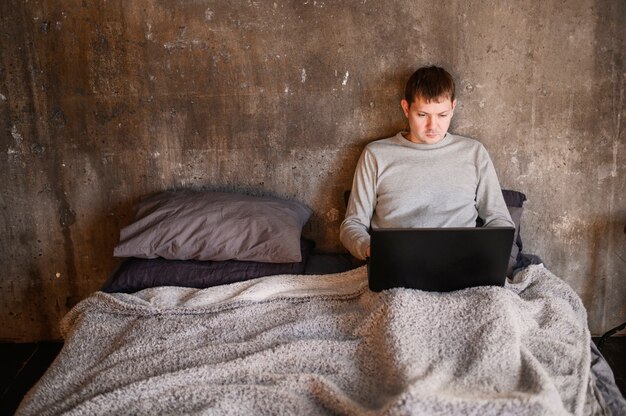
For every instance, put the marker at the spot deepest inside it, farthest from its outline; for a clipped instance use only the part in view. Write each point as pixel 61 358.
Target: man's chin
pixel 431 138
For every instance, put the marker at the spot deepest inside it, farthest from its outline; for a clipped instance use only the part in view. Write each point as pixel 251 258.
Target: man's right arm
pixel 354 231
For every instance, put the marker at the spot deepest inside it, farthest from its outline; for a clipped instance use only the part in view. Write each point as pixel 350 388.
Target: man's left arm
pixel 489 200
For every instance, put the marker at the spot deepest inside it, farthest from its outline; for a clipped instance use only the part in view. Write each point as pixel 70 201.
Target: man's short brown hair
pixel 430 83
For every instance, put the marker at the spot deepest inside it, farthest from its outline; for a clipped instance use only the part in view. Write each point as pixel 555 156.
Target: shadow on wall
pixel 88 260
pixel 606 263
pixel 608 257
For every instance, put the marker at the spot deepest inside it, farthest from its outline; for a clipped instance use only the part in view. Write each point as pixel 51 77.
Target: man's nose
pixel 430 122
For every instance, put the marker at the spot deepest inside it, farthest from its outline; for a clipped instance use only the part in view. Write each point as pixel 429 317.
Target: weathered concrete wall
pixel 102 102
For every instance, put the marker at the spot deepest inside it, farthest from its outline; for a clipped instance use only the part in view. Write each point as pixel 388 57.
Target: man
pixel 424 177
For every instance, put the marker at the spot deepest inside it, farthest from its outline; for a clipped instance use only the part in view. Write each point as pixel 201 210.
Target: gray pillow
pixel 191 225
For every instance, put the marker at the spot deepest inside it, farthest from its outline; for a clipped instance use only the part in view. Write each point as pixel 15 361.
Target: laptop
pixel 439 259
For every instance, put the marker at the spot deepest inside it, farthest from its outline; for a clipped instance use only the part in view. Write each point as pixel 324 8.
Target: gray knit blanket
pixel 300 345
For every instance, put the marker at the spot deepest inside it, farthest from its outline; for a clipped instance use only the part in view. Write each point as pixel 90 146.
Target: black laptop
pixel 439 259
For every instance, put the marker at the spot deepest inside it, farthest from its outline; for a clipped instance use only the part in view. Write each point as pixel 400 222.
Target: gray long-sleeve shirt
pixel 401 184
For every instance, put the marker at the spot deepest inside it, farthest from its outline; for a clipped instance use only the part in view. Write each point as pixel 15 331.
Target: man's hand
pixel 367 251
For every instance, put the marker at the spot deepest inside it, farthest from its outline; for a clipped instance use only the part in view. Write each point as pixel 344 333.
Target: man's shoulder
pixel 466 141
pixel 381 144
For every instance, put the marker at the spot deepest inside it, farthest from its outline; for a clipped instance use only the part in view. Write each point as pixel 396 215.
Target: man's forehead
pixel 441 101
pixel 438 99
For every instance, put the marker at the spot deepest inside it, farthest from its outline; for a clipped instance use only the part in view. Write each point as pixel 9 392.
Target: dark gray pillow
pixel 193 225
pixel 136 274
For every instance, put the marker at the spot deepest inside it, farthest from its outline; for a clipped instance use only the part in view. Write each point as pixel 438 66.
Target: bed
pixel 255 322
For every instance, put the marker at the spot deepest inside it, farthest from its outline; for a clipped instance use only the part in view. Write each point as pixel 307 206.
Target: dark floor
pixel 23 364
pixel 614 351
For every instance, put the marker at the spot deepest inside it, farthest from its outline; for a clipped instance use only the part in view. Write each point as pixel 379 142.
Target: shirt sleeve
pixel 489 200
pixel 354 230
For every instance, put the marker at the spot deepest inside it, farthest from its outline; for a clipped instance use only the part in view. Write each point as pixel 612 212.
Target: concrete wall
pixel 102 102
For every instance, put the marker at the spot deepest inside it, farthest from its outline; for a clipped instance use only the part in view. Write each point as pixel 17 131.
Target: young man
pixel 424 177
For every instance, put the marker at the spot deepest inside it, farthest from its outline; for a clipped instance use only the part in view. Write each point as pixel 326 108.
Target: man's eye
pixel 421 115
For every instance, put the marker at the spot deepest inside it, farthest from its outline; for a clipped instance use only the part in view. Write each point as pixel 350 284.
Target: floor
pixel 23 364
pixel 614 351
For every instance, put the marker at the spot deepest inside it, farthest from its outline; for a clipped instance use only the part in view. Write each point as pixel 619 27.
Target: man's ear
pixel 453 104
pixel 405 106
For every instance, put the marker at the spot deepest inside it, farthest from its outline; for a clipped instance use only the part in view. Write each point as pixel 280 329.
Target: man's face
pixel 428 121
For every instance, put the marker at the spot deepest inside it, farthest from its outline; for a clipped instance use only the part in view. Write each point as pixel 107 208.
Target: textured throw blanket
pixel 324 345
